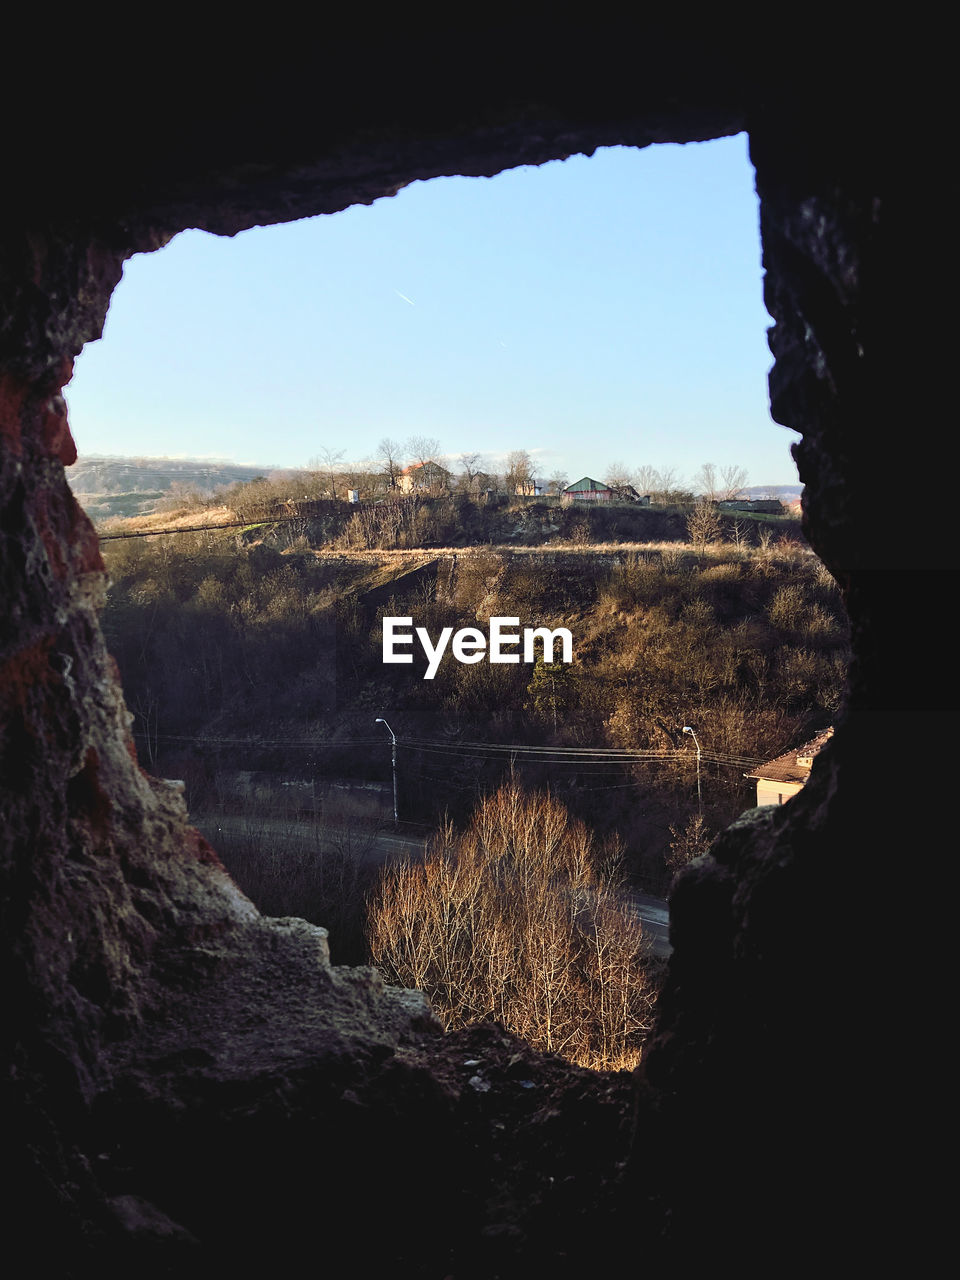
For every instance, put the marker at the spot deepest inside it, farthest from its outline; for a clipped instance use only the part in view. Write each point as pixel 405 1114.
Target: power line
pixel 581 761
pixel 470 750
pixel 610 754
pixel 510 746
pixel 304 743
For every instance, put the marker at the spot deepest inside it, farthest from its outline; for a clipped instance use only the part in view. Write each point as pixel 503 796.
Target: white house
pixel 779 779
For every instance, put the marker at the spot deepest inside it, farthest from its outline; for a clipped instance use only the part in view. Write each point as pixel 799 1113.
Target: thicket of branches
pixel 515 919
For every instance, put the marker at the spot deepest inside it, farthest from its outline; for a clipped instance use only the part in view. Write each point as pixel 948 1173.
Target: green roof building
pixel 587 490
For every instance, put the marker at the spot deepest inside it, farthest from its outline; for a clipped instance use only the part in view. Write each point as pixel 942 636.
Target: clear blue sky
pixel 589 310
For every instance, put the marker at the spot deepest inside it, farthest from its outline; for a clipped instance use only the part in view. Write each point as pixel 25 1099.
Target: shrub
pixel 634 582
pixel 788 608
pixel 513 920
pixel 704 524
pixel 689 841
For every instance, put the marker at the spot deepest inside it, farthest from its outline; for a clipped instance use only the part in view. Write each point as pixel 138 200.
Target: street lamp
pixel 393 738
pixel 687 729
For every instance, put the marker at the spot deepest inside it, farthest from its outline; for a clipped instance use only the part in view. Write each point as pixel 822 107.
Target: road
pixel 373 847
pixel 655 914
pixel 370 846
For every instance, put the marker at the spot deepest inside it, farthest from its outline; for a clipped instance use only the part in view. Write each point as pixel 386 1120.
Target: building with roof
pixel 423 477
pixel 627 493
pixel 772 506
pixel 587 490
pixel 779 779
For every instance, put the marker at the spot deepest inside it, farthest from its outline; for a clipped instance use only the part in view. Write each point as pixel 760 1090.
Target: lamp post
pixel 688 729
pixel 393 739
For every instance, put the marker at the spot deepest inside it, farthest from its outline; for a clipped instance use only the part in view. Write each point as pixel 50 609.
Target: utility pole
pixel 393 739
pixel 687 729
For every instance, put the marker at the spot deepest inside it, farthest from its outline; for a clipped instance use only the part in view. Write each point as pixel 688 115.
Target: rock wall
pixel 175 1062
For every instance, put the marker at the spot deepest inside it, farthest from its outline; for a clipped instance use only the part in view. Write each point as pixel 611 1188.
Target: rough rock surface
pixel 191 1087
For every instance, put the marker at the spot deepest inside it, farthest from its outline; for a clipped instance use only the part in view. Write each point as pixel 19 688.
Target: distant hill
pixel 782 491
pixel 117 486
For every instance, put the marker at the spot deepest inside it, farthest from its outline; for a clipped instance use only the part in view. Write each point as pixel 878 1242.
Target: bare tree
pixel 740 533
pixel 327 464
pixel 390 458
pixel 703 524
pixel 689 842
pixel 422 449
pixel 719 484
pixel 732 480
pixel 671 488
pixel 514 920
pixel 646 479
pixel 473 466
pixel 430 476
pixel 558 482
pixel 363 477
pixel 618 475
pixel 519 471
pixel 706 482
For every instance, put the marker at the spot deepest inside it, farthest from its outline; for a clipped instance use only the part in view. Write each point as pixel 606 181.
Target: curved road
pixel 374 847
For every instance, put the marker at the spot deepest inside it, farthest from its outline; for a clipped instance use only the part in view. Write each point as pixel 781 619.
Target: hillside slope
pixel 245 657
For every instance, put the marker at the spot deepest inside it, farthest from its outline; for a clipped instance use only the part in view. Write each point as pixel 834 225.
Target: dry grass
pixel 163 521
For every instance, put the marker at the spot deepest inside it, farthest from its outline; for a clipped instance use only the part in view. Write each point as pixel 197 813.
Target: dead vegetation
pixel 520 920
pixel 217 639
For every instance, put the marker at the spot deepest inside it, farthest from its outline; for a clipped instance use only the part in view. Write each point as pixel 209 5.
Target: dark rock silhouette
pixel 189 1086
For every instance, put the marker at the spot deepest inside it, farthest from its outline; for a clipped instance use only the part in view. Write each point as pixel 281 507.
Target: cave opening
pixel 120 913
pixel 214 324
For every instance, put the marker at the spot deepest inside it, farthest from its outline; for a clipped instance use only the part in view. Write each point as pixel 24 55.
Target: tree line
pixel 329 475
